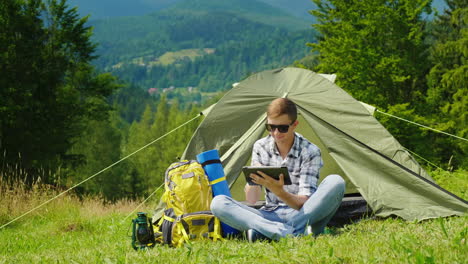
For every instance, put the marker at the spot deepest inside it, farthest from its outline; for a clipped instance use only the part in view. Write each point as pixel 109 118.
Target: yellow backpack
pixel 187 199
pixel 187 188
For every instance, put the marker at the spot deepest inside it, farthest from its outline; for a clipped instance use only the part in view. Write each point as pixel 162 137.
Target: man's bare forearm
pixel 252 193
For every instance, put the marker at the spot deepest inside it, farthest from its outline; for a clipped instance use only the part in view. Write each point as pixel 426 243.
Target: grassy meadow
pixel 87 230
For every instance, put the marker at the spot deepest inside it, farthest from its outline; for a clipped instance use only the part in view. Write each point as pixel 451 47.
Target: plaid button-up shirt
pixel 303 161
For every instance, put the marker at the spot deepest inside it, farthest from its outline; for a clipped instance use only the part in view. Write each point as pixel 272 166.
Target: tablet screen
pixel 273 172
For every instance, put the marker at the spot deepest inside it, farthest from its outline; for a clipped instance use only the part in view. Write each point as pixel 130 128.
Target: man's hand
pixel 276 187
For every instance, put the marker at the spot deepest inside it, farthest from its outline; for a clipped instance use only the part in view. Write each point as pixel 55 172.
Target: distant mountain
pixel 251 9
pixel 127 38
pixel 202 44
pixel 299 8
pixel 115 8
pixel 188 24
pixel 98 9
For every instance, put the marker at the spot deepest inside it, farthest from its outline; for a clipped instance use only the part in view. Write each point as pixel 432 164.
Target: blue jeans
pixel 283 221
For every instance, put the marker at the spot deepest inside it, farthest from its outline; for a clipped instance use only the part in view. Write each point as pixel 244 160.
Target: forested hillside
pixel 299 8
pixel 197 44
pixel 114 8
pixel 148 37
pixel 195 48
pixel 253 10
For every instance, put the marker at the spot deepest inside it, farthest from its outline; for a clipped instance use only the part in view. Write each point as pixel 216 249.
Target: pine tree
pixel 99 147
pixel 148 167
pixel 447 98
pixel 48 86
pixel 140 135
pixel 375 47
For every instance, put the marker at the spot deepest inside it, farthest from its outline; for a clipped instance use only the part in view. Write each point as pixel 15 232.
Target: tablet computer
pixel 273 172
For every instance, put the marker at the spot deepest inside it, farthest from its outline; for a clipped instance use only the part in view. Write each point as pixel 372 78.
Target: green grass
pixel 456 182
pixel 70 230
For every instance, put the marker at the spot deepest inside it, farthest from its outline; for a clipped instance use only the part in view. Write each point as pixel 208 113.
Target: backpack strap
pixel 181 231
pixel 167 225
pixel 213 161
pixel 214 229
pixel 217 226
pixel 167 218
pixel 208 162
pixel 218 180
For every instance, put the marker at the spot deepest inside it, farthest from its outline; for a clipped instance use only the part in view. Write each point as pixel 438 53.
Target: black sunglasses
pixel 281 128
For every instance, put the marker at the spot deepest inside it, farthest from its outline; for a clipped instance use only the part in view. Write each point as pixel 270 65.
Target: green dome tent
pixel 353 143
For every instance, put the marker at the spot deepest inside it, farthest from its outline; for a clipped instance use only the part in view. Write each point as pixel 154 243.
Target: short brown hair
pixel 281 106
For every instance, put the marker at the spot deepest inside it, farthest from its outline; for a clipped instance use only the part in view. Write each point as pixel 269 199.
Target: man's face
pixel 284 121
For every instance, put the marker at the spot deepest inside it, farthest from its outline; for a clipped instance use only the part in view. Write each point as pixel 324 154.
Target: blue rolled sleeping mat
pixel 214 170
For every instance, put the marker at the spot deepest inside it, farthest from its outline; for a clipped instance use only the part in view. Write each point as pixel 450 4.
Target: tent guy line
pixel 414 123
pixel 101 171
pixel 419 156
pixel 393 161
pixel 147 198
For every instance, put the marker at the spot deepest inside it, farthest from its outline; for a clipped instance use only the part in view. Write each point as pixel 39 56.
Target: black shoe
pixel 253 236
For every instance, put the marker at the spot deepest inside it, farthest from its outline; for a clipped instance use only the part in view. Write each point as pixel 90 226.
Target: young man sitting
pixel 290 209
